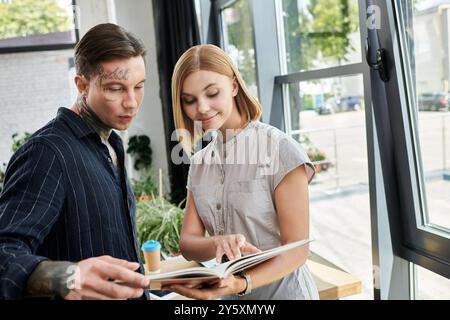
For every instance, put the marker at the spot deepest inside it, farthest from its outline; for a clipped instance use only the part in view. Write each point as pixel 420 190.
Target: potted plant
pixel 139 148
pixel 19 140
pixel 158 219
pixel 144 187
pixel 2 178
pixel 317 156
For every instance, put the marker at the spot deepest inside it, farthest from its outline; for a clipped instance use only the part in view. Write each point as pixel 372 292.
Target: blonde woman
pixel 248 188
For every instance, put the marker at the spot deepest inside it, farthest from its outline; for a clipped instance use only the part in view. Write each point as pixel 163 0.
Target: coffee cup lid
pixel 151 245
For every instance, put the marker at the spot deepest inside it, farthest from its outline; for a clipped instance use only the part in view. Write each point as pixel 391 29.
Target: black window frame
pixel 422 245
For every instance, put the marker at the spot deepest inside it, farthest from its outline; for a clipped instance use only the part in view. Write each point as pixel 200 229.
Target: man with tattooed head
pixel 67 211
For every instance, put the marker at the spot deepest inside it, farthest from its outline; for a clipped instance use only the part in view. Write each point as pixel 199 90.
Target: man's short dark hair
pixel 105 42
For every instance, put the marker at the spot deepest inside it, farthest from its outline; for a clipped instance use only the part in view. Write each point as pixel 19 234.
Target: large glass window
pixel 326 114
pixel 427 46
pixel 27 23
pixel 321 84
pixel 431 286
pixel 321 33
pixel 328 119
pixel 325 97
pixel 239 40
pixel 333 129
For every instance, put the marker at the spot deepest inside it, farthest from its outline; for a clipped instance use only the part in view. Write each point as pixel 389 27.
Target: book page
pixel 253 259
pixel 191 282
pixel 198 275
pixel 185 273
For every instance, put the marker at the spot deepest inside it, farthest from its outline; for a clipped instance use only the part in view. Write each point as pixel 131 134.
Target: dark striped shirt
pixel 63 199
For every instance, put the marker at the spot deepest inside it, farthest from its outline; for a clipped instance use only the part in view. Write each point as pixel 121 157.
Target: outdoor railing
pixel 335 146
pixel 334 159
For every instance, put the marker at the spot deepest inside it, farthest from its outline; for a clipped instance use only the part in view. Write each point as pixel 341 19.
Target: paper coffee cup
pixel 151 250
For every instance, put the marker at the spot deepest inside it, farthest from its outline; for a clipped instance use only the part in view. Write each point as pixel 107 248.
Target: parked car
pixel 327 107
pixel 339 104
pixel 350 103
pixel 435 101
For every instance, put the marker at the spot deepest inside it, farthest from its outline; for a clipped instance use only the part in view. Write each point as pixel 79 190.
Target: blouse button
pixel 218 206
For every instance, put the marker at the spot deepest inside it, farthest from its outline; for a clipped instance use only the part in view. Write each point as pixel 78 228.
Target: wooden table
pixel 331 281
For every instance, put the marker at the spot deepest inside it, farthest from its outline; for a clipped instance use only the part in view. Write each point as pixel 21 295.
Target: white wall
pixel 93 12
pixel 33 85
pixel 137 17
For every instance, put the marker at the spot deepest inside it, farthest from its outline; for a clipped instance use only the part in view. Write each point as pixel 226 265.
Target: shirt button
pixel 218 206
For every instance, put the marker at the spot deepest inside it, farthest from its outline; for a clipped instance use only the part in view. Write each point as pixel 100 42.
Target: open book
pixel 203 274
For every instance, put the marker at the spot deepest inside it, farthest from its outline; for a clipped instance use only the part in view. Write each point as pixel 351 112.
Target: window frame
pixel 45 47
pixel 422 245
pixel 266 50
pixel 397 241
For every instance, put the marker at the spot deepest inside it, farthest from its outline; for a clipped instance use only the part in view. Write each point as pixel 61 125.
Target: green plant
pixel 160 220
pixel 20 18
pixel 145 185
pixel 308 103
pixel 139 148
pixel 2 176
pixel 314 154
pixel 19 140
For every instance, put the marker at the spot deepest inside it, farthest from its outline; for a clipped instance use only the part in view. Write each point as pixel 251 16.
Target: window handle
pixel 379 64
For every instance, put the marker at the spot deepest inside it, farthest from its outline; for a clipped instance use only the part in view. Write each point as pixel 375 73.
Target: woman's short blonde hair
pixel 210 58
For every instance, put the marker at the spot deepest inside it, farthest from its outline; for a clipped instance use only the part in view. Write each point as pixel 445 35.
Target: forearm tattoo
pixel 103 130
pixel 50 278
